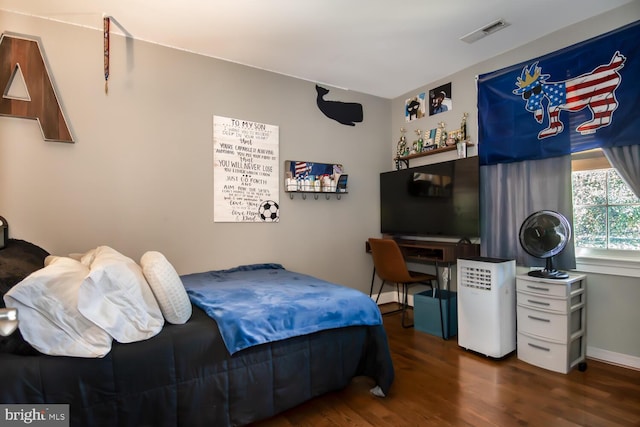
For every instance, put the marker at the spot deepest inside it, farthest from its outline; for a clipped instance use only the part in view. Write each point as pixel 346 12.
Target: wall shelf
pixel 405 159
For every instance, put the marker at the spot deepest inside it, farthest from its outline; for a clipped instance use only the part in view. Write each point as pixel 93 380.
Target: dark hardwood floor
pixel 440 384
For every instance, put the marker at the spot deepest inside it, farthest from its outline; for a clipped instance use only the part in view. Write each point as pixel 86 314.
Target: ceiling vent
pixel 491 28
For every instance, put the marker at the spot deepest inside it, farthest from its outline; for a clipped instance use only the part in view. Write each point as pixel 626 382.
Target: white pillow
pixel 84 257
pixel 167 287
pixel 47 303
pixel 88 257
pixel 49 259
pixel 116 297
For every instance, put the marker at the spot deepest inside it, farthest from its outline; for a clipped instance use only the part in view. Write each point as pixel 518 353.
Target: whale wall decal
pixel 346 113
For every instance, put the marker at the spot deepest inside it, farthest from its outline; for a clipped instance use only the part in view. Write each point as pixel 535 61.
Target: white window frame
pixel 603 261
pixel 608 261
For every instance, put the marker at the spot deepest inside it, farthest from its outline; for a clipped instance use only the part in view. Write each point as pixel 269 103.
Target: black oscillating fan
pixel 544 234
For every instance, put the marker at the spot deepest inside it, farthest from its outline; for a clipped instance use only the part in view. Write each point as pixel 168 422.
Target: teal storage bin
pixel 426 316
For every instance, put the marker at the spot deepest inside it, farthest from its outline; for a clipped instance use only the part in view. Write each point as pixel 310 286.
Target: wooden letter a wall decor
pixel 21 57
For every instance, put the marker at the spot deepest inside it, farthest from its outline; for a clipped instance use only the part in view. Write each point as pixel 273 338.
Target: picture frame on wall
pixel 415 107
pixel 440 99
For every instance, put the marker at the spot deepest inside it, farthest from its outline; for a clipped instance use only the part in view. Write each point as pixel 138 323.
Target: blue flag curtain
pixel 578 98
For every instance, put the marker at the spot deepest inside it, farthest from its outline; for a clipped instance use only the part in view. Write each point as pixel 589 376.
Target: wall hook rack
pixel 316 195
pixel 305 177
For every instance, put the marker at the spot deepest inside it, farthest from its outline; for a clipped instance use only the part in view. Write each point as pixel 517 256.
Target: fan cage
pixel 532 222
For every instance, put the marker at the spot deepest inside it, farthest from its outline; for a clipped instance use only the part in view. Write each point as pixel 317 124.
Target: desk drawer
pixel 544 324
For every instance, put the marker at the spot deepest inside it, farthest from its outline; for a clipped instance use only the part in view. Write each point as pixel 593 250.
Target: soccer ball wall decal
pixel 269 211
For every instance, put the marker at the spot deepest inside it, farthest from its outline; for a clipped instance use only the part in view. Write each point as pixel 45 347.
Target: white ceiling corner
pixel 376 47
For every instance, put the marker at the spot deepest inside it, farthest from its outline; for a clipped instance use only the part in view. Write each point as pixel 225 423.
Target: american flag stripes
pixel 302 169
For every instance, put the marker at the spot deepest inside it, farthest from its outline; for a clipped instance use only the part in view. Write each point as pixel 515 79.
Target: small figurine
pixel 451 139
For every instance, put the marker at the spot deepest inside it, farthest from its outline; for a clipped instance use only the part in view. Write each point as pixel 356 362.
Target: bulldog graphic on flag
pixel 595 90
pixel 577 98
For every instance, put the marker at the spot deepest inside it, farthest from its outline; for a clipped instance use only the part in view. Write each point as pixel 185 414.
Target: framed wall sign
pixel 245 171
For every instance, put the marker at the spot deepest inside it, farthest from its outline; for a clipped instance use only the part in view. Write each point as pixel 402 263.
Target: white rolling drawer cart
pixel 551 322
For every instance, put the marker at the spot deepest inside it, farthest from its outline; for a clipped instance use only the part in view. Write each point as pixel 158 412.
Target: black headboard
pixel 18 259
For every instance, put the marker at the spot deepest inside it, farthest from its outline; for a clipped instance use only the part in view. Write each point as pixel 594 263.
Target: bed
pixel 186 374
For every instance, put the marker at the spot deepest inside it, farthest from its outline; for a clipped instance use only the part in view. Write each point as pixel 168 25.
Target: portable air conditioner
pixel 487 305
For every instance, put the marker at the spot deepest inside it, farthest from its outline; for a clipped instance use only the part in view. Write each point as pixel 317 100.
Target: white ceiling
pixel 379 47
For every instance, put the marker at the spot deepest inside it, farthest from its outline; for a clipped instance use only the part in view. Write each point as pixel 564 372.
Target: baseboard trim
pixel 391 296
pixel 386 297
pixel 619 359
pixel 606 356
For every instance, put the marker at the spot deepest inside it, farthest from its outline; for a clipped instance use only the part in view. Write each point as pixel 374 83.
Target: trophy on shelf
pixel 401 149
pixel 441 135
pixel 402 144
pixel 419 143
pixel 461 145
pixel 463 127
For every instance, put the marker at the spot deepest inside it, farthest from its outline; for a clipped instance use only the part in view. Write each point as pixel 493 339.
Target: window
pixel 606 213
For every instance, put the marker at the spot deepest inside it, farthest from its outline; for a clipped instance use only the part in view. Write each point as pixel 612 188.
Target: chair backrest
pixel 388 260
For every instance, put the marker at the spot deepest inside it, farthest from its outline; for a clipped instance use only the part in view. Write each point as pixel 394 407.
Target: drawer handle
pixel 538 288
pixel 539 347
pixel 538 318
pixel 538 302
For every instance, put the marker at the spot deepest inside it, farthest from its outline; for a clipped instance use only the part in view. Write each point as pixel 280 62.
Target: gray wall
pixel 140 175
pixel 612 311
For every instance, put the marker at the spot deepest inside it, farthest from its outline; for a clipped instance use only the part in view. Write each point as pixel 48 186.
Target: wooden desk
pixel 429 251
pixel 439 254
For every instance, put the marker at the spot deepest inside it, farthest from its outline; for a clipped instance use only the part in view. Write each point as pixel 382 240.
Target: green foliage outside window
pixel 606 212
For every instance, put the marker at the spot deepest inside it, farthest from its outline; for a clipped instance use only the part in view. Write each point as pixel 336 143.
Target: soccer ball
pixel 269 211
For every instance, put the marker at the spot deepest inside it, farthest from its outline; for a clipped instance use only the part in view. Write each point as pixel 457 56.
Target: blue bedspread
pixel 259 303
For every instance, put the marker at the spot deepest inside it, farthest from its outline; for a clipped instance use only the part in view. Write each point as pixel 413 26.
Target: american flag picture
pixel 302 168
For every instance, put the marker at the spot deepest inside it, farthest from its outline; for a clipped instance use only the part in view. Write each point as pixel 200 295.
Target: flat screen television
pixel 440 199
